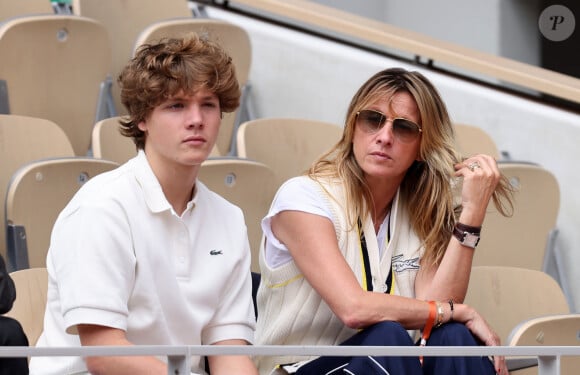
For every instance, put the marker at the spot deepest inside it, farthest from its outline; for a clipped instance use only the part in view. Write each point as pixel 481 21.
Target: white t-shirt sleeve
pixel 297 194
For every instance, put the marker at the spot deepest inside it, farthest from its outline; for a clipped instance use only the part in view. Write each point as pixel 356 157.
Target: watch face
pixel 470 240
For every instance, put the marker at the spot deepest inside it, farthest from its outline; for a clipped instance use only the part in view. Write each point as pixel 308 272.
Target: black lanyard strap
pixel 367 263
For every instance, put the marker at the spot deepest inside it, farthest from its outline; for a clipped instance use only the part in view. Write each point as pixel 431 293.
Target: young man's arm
pixel 94 335
pixel 232 364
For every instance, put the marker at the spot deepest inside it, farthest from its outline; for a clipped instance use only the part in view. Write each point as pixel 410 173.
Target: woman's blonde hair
pixel 172 66
pixel 427 189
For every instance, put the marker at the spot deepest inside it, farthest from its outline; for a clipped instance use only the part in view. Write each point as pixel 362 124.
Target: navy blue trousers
pixel 393 334
pixel 11 334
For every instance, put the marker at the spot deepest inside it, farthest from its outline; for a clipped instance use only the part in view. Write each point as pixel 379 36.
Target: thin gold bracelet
pixel 439 315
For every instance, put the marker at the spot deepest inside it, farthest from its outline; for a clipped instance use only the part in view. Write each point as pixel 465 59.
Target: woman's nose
pixel 385 134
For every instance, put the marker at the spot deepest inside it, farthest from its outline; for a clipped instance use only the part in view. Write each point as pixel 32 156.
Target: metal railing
pixel 178 357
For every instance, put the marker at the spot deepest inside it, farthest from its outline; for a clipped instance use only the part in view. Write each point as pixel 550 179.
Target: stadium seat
pixel 31 289
pixel 56 67
pixel 506 296
pixel 108 143
pixel 123 21
pixel 288 146
pixel 37 193
pixel 16 8
pixel 472 140
pixel 551 330
pixel 524 239
pixel 22 140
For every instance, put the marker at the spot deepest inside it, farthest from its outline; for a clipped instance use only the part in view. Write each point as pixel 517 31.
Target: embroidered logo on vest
pixel 400 264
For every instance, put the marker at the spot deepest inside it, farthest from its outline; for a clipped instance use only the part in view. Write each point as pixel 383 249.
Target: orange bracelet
pixel 428 326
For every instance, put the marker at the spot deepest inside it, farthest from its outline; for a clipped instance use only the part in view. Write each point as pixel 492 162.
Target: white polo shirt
pixel 121 257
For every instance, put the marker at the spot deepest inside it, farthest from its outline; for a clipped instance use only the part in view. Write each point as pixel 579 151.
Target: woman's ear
pixel 419 159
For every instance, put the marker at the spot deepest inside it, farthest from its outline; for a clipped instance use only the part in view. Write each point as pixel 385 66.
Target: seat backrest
pixel 36 195
pixel 15 8
pixel 31 288
pixel 22 140
pixel 247 184
pixel 54 66
pixel 551 330
pixel 506 296
pixel 288 146
pixel 108 143
pixel 521 240
pixel 124 20
pixel 234 39
pixel 472 140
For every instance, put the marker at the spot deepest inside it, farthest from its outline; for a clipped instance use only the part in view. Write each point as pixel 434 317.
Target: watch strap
pixel 468 228
pixel 467 235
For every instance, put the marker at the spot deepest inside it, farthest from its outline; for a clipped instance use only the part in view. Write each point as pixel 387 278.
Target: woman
pixel 370 244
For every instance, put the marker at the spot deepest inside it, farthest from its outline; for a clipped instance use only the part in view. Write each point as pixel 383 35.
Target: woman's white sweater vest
pixel 290 311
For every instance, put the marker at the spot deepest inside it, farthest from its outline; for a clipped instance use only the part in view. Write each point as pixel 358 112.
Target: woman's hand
pixel 480 329
pixel 480 178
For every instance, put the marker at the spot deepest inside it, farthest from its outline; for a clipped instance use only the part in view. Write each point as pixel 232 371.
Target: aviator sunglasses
pixel 372 121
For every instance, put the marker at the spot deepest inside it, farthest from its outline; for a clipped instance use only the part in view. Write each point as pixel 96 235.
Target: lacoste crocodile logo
pixel 400 264
pixel 216 252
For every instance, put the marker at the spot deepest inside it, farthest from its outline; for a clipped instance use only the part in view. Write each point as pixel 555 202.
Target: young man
pixel 146 254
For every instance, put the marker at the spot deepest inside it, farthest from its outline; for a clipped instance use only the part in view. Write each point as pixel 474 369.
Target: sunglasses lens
pixel 405 130
pixel 371 121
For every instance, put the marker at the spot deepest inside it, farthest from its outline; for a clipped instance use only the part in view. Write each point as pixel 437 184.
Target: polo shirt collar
pixel 152 191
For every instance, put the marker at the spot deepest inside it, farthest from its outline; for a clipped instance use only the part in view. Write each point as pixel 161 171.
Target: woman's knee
pixel 383 333
pixel 452 334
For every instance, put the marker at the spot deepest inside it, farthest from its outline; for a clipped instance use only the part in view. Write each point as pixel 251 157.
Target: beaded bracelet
pixel 451 306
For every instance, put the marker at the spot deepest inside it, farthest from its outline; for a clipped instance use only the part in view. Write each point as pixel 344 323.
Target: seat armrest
pixel 16 247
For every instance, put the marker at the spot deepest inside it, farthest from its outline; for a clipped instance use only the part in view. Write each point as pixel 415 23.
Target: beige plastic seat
pixel 235 40
pixel 507 296
pixel 108 143
pixel 247 184
pixel 288 146
pixel 523 240
pixel 472 140
pixel 124 20
pixel 36 194
pixel 56 67
pixel 15 8
pixel 551 330
pixel 31 288
pixel 22 140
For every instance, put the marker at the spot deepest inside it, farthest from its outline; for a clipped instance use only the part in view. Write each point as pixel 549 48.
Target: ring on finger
pixel 473 166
